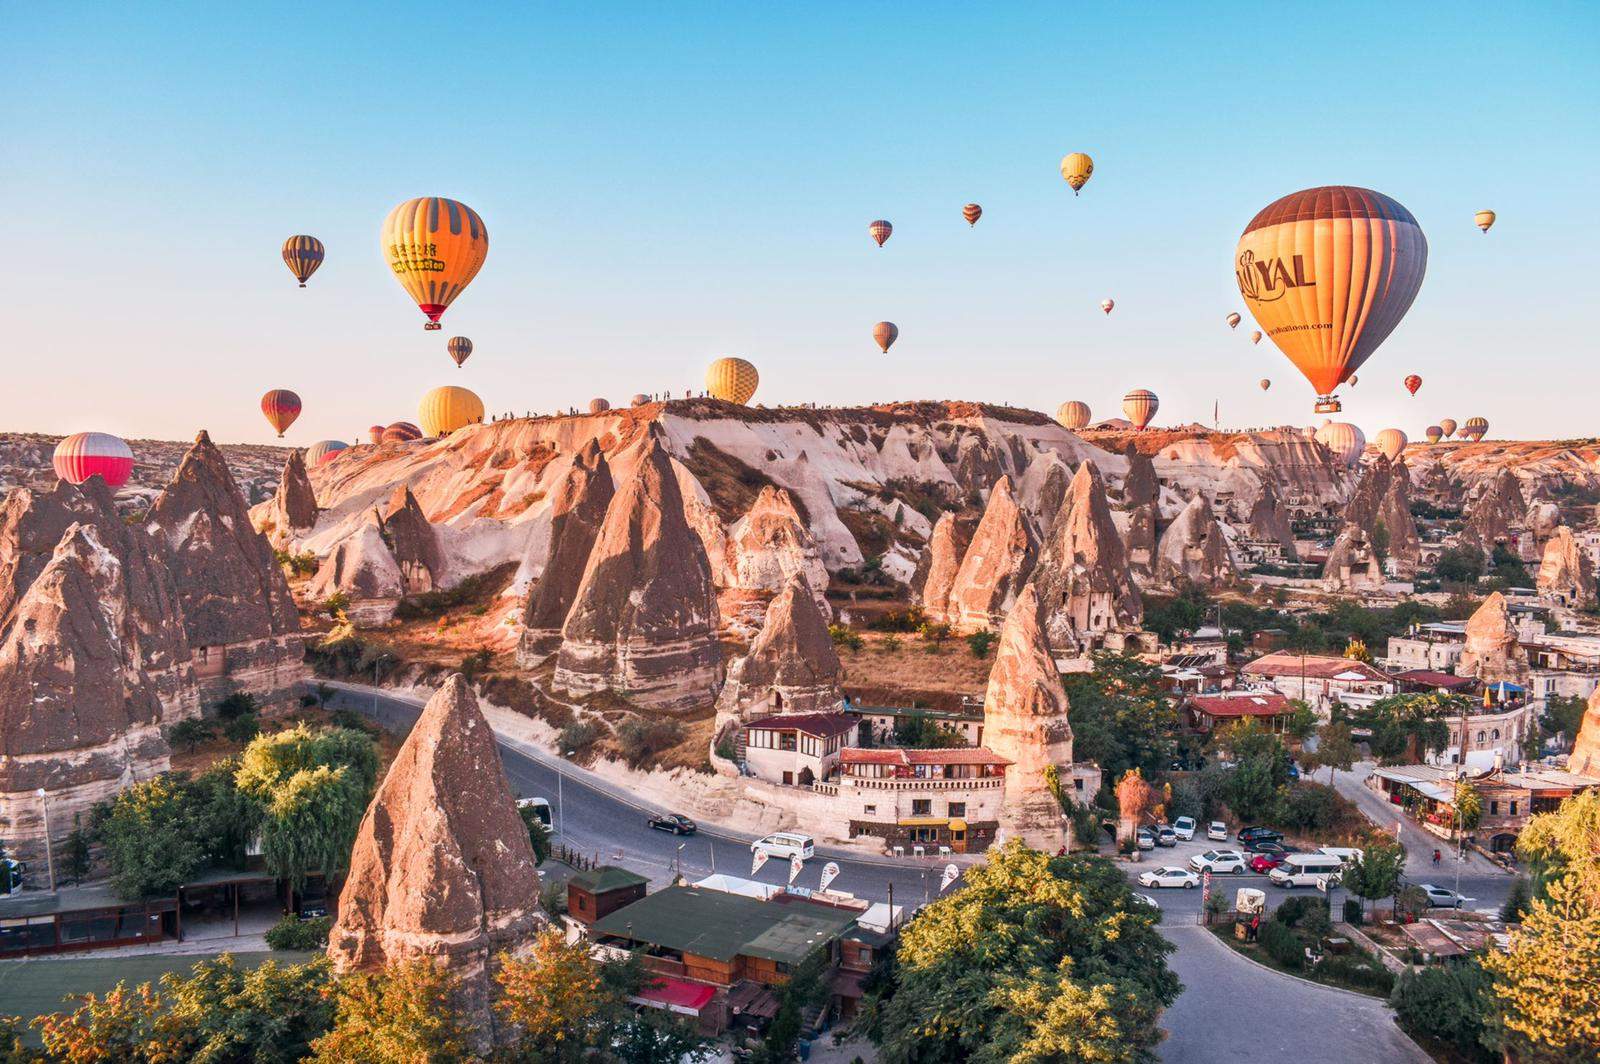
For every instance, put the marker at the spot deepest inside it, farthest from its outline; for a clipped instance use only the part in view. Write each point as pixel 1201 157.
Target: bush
pixel 1353 913
pixel 1357 972
pixel 191 733
pixel 638 739
pixel 336 603
pixel 909 619
pixel 846 637
pixel 1310 807
pixel 238 704
pixel 1517 901
pixel 1295 909
pixel 293 933
pixel 242 729
pixel 475 664
pixel 980 642
pixel 1280 943
pixel 577 736
pixel 1448 1004
pixel 302 564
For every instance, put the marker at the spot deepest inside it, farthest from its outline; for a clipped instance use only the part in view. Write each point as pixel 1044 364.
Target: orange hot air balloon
pixel 281 407
pixel 1483 220
pixel 1413 382
pixel 879 231
pixel 886 333
pixel 459 348
pixel 1234 319
pixel 435 246
pixel 972 212
pixel 732 380
pixel 1255 337
pixel 1265 383
pixel 303 254
pixel 1328 273
pixel 1107 304
pixel 1448 424
pixel 1076 169
pixel 1073 414
pixel 1140 405
pixel 375 433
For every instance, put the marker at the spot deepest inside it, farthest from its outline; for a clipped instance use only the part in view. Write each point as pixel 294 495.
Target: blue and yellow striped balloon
pixel 303 254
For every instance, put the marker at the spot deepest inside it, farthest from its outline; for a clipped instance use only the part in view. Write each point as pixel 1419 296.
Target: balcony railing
pixel 914 783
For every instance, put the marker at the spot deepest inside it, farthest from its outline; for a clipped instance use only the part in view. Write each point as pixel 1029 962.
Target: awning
pixel 924 822
pixel 957 824
pixel 675 995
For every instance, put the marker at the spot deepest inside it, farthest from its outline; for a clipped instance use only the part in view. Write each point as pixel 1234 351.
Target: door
pixel 958 841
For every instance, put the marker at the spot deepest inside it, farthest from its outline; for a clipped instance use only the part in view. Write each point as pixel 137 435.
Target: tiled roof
pixel 823 724
pixel 1447 680
pixel 1315 667
pixel 1242 704
pixel 960 755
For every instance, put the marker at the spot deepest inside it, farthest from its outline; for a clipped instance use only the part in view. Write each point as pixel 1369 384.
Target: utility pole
pixel 49 854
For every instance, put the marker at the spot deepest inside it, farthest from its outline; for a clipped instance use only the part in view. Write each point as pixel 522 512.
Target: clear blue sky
pixel 666 183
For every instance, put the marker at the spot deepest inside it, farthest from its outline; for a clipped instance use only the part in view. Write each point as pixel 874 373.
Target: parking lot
pixel 1177 903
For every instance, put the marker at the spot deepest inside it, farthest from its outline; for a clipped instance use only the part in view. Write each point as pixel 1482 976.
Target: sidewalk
pixel 1419 844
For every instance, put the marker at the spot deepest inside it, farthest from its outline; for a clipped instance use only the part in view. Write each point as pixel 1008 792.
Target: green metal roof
pixel 606 877
pixel 722 926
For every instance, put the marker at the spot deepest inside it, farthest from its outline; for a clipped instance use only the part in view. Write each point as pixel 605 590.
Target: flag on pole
pixel 759 860
pixel 949 877
pixel 795 864
pixel 830 872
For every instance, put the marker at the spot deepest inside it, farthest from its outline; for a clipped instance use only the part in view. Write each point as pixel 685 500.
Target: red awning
pixel 676 995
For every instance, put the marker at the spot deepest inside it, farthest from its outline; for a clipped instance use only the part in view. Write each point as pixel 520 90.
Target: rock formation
pixel 791 666
pixel 977 465
pixel 1141 496
pixel 1352 563
pixel 770 544
pixel 414 542
pixel 1585 757
pixel 1269 522
pixel 1542 520
pixel 1042 489
pixel 1194 548
pixel 442 869
pixel 941 561
pixel 995 566
pixel 1362 507
pixel 293 509
pixel 644 618
pixel 1025 721
pixel 1566 573
pixel 1492 652
pixel 577 508
pixel 1082 580
pixel 362 569
pixel 1498 514
pixel 1400 527
pixel 78 716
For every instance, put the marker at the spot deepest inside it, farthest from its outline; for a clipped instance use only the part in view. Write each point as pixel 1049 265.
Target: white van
pixel 540 807
pixel 1345 854
pixel 785 845
pixel 1305 870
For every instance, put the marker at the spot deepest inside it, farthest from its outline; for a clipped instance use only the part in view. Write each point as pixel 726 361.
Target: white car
pixel 1145 899
pixel 1220 862
pixel 1169 877
pixel 1217 831
pixel 784 845
pixel 1184 827
pixel 1439 898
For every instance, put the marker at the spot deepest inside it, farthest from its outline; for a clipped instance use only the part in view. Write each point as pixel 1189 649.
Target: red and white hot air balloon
pixel 879 231
pixel 1413 382
pixel 1107 305
pixel 93 454
pixel 972 212
pixel 1140 405
pixel 324 450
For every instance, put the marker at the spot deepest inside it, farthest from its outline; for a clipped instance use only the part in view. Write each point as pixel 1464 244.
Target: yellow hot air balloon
pixel 435 247
pixel 1391 442
pixel 886 333
pixel 303 254
pixel 1434 433
pixel 1077 168
pixel 1073 415
pixel 732 379
pixel 446 409
pixel 1140 405
pixel 1234 319
pixel 1255 337
pixel 1475 429
pixel 1484 219
pixel 1265 383
pixel 1328 273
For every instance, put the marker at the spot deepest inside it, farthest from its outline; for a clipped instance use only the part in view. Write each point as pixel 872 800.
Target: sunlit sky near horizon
pixel 664 184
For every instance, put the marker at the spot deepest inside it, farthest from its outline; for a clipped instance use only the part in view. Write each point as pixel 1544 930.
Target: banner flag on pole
pixel 795 864
pixel 830 872
pixel 759 860
pixel 949 877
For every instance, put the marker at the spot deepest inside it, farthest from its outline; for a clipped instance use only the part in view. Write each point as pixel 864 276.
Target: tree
pixel 401 1013
pixel 190 733
pixel 266 1015
pixel 1548 982
pixel 1468 805
pixel 1449 1004
pixel 1356 650
pixel 75 853
pixel 151 839
pixel 1406 728
pixel 1122 716
pixel 557 997
pixel 1302 722
pixel 121 1027
pixel 1564 843
pixel 1032 958
pixel 538 834
pixel 1376 873
pixel 1459 565
pixel 1562 716
pixel 1380 541
pixel 917 731
pixel 1336 750
pixel 1518 898
pixel 980 642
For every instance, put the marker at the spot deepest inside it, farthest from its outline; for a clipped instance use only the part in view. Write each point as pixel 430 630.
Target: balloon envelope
pixel 1448 424
pixel 879 230
pixel 1107 304
pixel 732 379
pixel 1140 405
pixel 1345 440
pixel 1234 319
pixel 1255 337
pixel 1265 383
pixel 375 433
pixel 1434 433
pixel 281 407
pixel 444 410
pixel 599 406
pixel 323 451
pixel 459 348
pixel 435 247
pixel 1391 442
pixel 303 254
pixel 972 212
pixel 1475 429
pixel 1483 220
pixel 1073 414
pixel 401 432
pixel 1077 168
pixel 1328 273
pixel 1413 382
pixel 93 454
pixel 885 333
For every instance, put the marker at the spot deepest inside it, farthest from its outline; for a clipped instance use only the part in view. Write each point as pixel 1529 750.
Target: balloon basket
pixel 432 326
pixel 1327 404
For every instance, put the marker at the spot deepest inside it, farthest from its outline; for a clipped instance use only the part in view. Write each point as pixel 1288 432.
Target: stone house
pixel 927 798
pixel 1320 681
pixel 796 749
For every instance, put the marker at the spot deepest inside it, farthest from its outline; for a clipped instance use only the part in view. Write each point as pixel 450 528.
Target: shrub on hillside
pixel 1280 943
pixel 638 739
pixel 293 933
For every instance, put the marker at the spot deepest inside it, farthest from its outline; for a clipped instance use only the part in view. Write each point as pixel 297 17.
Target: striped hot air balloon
pixel 1475 429
pixel 281 407
pixel 444 410
pixel 435 246
pixel 1234 319
pixel 93 454
pixel 732 379
pixel 879 230
pixel 375 433
pixel 1483 220
pixel 1076 169
pixel 1448 424
pixel 324 451
pixel 459 348
pixel 303 254
pixel 1434 433
pixel 1413 382
pixel 639 400
pixel 401 432
pixel 1073 415
pixel 1140 405
pixel 972 212
pixel 599 406
pixel 1392 442
pixel 1345 440
pixel 885 333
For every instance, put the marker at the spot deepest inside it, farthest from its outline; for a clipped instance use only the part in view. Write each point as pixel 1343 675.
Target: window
pixel 869 810
pixel 1480 736
pixel 786 740
pixel 1496 733
pixel 957 809
pixel 1513 808
pixel 1494 808
pixel 922 807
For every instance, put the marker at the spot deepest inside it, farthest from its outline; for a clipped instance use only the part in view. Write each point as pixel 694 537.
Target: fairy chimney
pixel 791 666
pixel 1493 653
pixel 997 563
pixel 1082 580
pixel 1194 548
pixel 577 508
pixel 414 542
pixel 1566 573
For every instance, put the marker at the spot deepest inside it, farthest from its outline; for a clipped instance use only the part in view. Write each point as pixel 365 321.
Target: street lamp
pixel 561 776
pixel 49 855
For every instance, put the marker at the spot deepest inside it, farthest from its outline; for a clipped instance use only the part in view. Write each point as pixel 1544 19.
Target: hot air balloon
pixel 1255 337
pixel 1391 442
pixel 732 379
pixel 879 231
pixel 446 409
pixel 1073 415
pixel 459 348
pixel 435 246
pixel 323 451
pixel 375 433
pixel 972 212
pixel 1484 219
pixel 1265 383
pixel 599 406
pixel 303 254
pixel 1328 273
pixel 281 407
pixel 1448 424
pixel 1475 429
pixel 639 400
pixel 1107 304
pixel 1412 383
pixel 1434 433
pixel 1140 405
pixel 93 454
pixel 1234 319
pixel 1077 168
pixel 886 333
pixel 1352 380
pixel 401 432
pixel 1345 440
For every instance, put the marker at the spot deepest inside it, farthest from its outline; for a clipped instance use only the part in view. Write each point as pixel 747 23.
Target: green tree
pixel 1518 898
pixel 1122 716
pixel 402 1013
pixel 1562 716
pixel 1468 805
pixel 1548 982
pixel 1336 750
pixel 917 731
pixel 75 853
pixel 151 839
pixel 1459 565
pixel 221 1012
pixel 980 642
pixel 1376 873
pixel 538 834
pixel 189 734
pixel 1302 722
pixel 1406 728
pixel 1032 958
pixel 1449 1004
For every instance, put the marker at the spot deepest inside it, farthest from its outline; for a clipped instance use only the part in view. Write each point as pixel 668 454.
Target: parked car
pixel 1345 854
pixel 540 807
pixel 1165 836
pixel 676 823
pixel 312 900
pixel 1249 835
pixel 1184 827
pixel 1306 870
pixel 1169 877
pixel 1217 831
pixel 1267 846
pixel 1146 839
pixel 1220 862
pixel 1264 863
pixel 784 845
pixel 1439 898
pixel 1145 899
